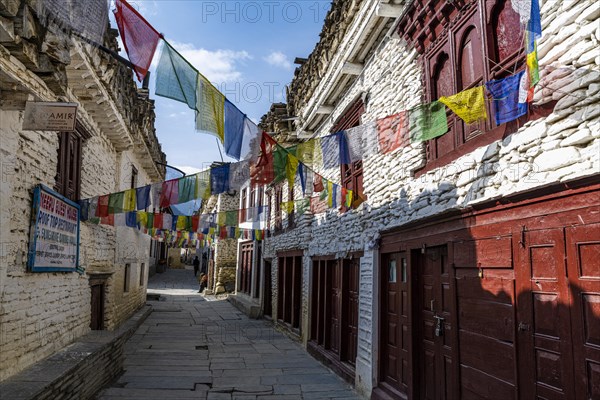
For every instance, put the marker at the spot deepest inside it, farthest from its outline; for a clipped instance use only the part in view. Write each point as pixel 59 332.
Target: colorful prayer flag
pixel 234 130
pixel 262 172
pixel 291 169
pixel 305 151
pixel 115 203
pixel 362 141
pixel 469 104
pixel 427 121
pixel 210 109
pixel 219 179
pixel 329 194
pixel 186 189
pixel 139 37
pixel 392 132
pixel 505 94
pixel 176 78
pixel 142 196
pixel 131 219
pixel 318 183
pixel 129 200
pixel 102 210
pixel 170 193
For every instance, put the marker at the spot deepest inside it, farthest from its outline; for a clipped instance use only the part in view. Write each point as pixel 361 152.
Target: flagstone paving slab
pixel 191 348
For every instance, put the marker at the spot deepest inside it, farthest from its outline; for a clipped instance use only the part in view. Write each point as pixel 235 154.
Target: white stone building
pixel 466 247
pixel 113 148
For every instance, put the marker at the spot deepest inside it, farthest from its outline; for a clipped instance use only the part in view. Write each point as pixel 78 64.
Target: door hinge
pixel 522 241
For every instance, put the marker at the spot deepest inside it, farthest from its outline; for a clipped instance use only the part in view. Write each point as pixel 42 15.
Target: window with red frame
pixel 244 205
pixel 352 174
pixel 68 173
pixel 466 45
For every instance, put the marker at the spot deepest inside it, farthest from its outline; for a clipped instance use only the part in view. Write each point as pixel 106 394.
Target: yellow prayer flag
pixel 203 185
pixel 288 206
pixel 221 217
pixel 469 104
pixel 142 218
pixel 329 194
pixel 306 152
pixel 210 108
pixel 349 198
pixel 318 152
pixel 129 200
pixel 181 223
pixel 290 169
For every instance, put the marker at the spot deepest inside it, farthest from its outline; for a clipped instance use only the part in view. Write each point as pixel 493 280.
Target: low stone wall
pixel 78 371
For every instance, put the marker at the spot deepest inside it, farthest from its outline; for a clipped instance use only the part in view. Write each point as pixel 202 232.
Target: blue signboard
pixel 54 232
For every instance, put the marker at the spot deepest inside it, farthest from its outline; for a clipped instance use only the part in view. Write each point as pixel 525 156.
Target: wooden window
pixel 352 174
pixel 142 273
pixel 479 41
pixel 244 205
pixel 247 253
pixel 134 177
pixel 126 273
pixel 289 290
pixel 68 174
pixel 334 307
pixel 278 200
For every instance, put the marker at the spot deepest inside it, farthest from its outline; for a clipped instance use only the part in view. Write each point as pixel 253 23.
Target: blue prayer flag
pixel 84 207
pixel 234 130
pixel 505 93
pixel 131 219
pixel 219 179
pixel 142 196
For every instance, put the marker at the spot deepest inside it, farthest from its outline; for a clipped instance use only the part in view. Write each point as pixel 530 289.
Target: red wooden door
pixel 436 380
pixel 543 318
pixel 583 268
pixel 351 269
pixel 335 317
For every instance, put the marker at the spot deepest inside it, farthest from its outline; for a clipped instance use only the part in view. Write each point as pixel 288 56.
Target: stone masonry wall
pixel 563 146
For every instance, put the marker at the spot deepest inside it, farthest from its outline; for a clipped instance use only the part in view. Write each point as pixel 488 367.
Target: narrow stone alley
pixel 193 348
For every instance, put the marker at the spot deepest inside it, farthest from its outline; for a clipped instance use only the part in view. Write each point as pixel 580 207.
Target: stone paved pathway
pixel 190 348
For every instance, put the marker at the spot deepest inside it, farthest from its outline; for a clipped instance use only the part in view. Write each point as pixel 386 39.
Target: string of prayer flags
pixel 534 25
pixel 219 179
pixel 427 121
pixel 203 185
pixel 234 129
pixel 139 37
pixel 210 109
pixel 142 218
pixel 291 169
pixel 302 205
pixel 280 161
pixel 392 132
pixel 469 104
pixel 142 196
pixel 176 78
pixel 158 221
pixel 346 196
pixel 131 219
pixel 505 95
pixel 170 193
pixel 288 207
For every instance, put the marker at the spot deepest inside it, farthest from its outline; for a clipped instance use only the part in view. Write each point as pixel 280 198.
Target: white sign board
pixel 54 241
pixel 44 116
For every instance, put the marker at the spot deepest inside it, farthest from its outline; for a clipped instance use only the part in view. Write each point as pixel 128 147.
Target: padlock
pixel 439 326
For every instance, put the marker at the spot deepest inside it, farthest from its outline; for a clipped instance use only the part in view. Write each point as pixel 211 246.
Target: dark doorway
pixel 268 295
pixel 97 318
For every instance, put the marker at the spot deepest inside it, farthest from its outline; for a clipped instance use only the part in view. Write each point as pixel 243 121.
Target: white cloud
pixel 278 59
pixel 218 66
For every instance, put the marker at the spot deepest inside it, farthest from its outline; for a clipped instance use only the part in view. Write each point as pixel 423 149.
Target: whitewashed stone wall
pixel 558 148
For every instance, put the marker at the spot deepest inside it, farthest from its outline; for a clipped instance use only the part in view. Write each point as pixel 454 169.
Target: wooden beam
pixel 352 68
pixel 389 10
pixel 324 110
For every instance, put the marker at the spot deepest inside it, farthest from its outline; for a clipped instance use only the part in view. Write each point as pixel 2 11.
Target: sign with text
pixel 54 232
pixel 45 116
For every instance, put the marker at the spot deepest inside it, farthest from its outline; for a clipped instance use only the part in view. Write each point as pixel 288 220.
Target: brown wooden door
pixel 583 268
pixel 543 317
pixel 97 317
pixel 434 302
pixel 335 295
pixel 396 331
pixel 351 268
pixel 268 290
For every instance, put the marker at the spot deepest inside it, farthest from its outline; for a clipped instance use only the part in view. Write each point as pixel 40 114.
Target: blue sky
pixel 246 48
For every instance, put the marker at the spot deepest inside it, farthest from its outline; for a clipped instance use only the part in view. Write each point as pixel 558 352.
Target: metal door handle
pixel 523 327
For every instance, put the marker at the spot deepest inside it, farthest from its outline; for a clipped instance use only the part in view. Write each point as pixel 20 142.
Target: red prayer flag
pixel 139 37
pixel 392 132
pixel 170 193
pixel 195 223
pixel 318 183
pixel 108 220
pixel 102 209
pixel 158 221
pixel 262 173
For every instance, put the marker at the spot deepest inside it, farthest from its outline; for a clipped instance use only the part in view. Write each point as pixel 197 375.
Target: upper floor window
pixel 352 174
pixel 134 177
pixel 482 42
pixel 68 173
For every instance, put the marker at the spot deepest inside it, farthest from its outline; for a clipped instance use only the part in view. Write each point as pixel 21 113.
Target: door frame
pixel 100 279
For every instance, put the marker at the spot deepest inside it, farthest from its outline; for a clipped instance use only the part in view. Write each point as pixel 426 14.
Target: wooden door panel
pixel 583 263
pixel 544 319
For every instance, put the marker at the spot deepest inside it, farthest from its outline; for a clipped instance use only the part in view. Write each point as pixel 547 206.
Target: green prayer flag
pixel 187 189
pixel 280 159
pixel 176 78
pixel 115 203
pixel 231 218
pixel 427 121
